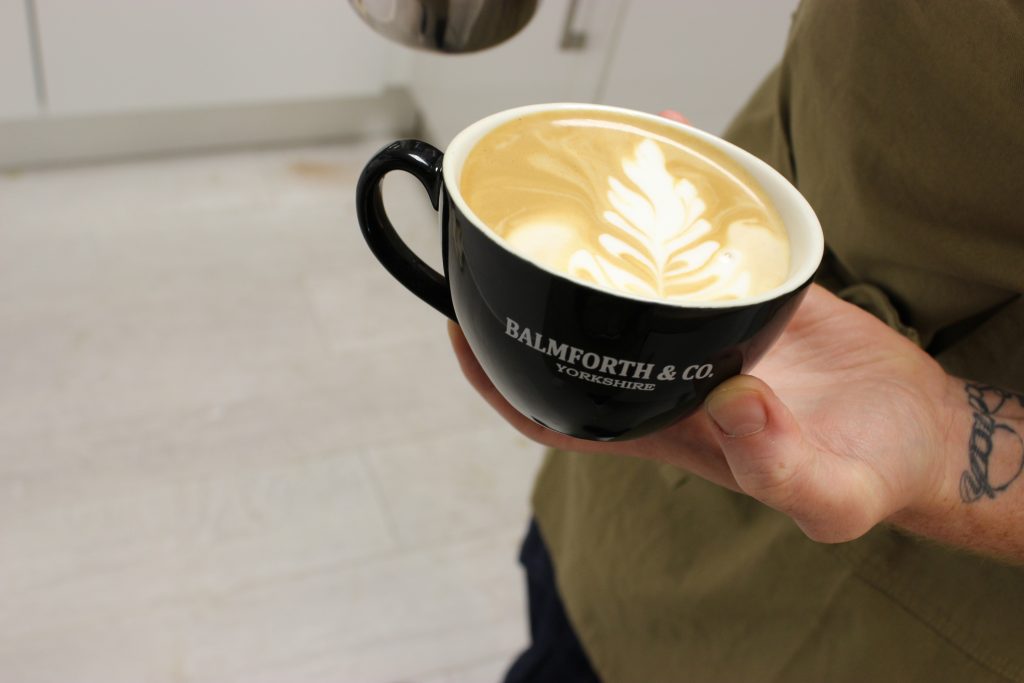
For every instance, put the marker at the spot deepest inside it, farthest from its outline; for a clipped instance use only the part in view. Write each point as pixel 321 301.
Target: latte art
pixel 649 210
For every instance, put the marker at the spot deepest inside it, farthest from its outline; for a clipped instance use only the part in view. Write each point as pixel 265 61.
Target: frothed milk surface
pixel 627 205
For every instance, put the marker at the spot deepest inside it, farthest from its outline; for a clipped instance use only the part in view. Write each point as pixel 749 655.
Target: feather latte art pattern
pixel 628 209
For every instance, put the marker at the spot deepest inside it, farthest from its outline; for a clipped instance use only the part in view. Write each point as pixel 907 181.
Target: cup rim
pixel 465 140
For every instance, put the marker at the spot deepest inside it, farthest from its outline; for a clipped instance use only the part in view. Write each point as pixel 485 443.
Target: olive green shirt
pixel 902 123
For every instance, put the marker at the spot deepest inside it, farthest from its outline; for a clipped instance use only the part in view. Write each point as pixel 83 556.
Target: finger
pixel 467 360
pixel 478 379
pixel 675 116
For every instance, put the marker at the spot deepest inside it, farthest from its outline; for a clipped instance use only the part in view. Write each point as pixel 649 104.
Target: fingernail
pixel 737 413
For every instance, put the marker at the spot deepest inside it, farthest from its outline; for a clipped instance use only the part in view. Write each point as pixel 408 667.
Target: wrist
pixel 938 495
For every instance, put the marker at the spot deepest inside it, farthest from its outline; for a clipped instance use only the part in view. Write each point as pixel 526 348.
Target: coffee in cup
pixel 648 210
pixel 608 267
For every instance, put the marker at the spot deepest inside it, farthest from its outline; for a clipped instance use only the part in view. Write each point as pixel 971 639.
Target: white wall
pixel 141 77
pixel 702 58
pixel 17 86
pixel 122 55
pixel 124 78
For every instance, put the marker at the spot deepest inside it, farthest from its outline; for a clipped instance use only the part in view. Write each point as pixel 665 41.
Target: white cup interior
pixel 807 245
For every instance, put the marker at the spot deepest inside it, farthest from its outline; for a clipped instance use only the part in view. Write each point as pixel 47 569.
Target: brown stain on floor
pixel 321 171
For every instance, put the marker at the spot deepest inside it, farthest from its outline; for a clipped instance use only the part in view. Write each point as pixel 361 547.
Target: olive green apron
pixel 903 124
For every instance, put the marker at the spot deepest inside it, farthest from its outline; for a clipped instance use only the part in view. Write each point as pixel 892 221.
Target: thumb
pixel 772 461
pixel 761 441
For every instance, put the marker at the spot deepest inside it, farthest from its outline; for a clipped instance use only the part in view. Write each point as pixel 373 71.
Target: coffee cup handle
pixel 422 161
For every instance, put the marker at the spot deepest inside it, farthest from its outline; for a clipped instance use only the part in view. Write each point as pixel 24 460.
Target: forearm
pixel 977 500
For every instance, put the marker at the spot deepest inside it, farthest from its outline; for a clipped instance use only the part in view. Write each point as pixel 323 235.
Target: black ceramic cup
pixel 581 360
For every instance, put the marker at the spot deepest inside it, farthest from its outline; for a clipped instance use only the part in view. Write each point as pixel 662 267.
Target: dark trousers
pixel 554 654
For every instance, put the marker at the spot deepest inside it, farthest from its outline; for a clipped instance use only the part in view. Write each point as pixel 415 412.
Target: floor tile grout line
pixel 491 659
pixel 367 448
pixel 413 548
pixel 381 501
pixel 448 630
pixel 323 334
pixel 378 557
pixel 328 568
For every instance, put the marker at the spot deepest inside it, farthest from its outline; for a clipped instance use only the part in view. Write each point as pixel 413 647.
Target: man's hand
pixel 838 427
pixel 844 424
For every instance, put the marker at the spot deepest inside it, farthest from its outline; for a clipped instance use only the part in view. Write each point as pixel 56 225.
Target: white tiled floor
pixel 231 447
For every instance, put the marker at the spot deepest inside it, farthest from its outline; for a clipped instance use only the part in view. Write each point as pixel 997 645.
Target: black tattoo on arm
pixel 995 450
